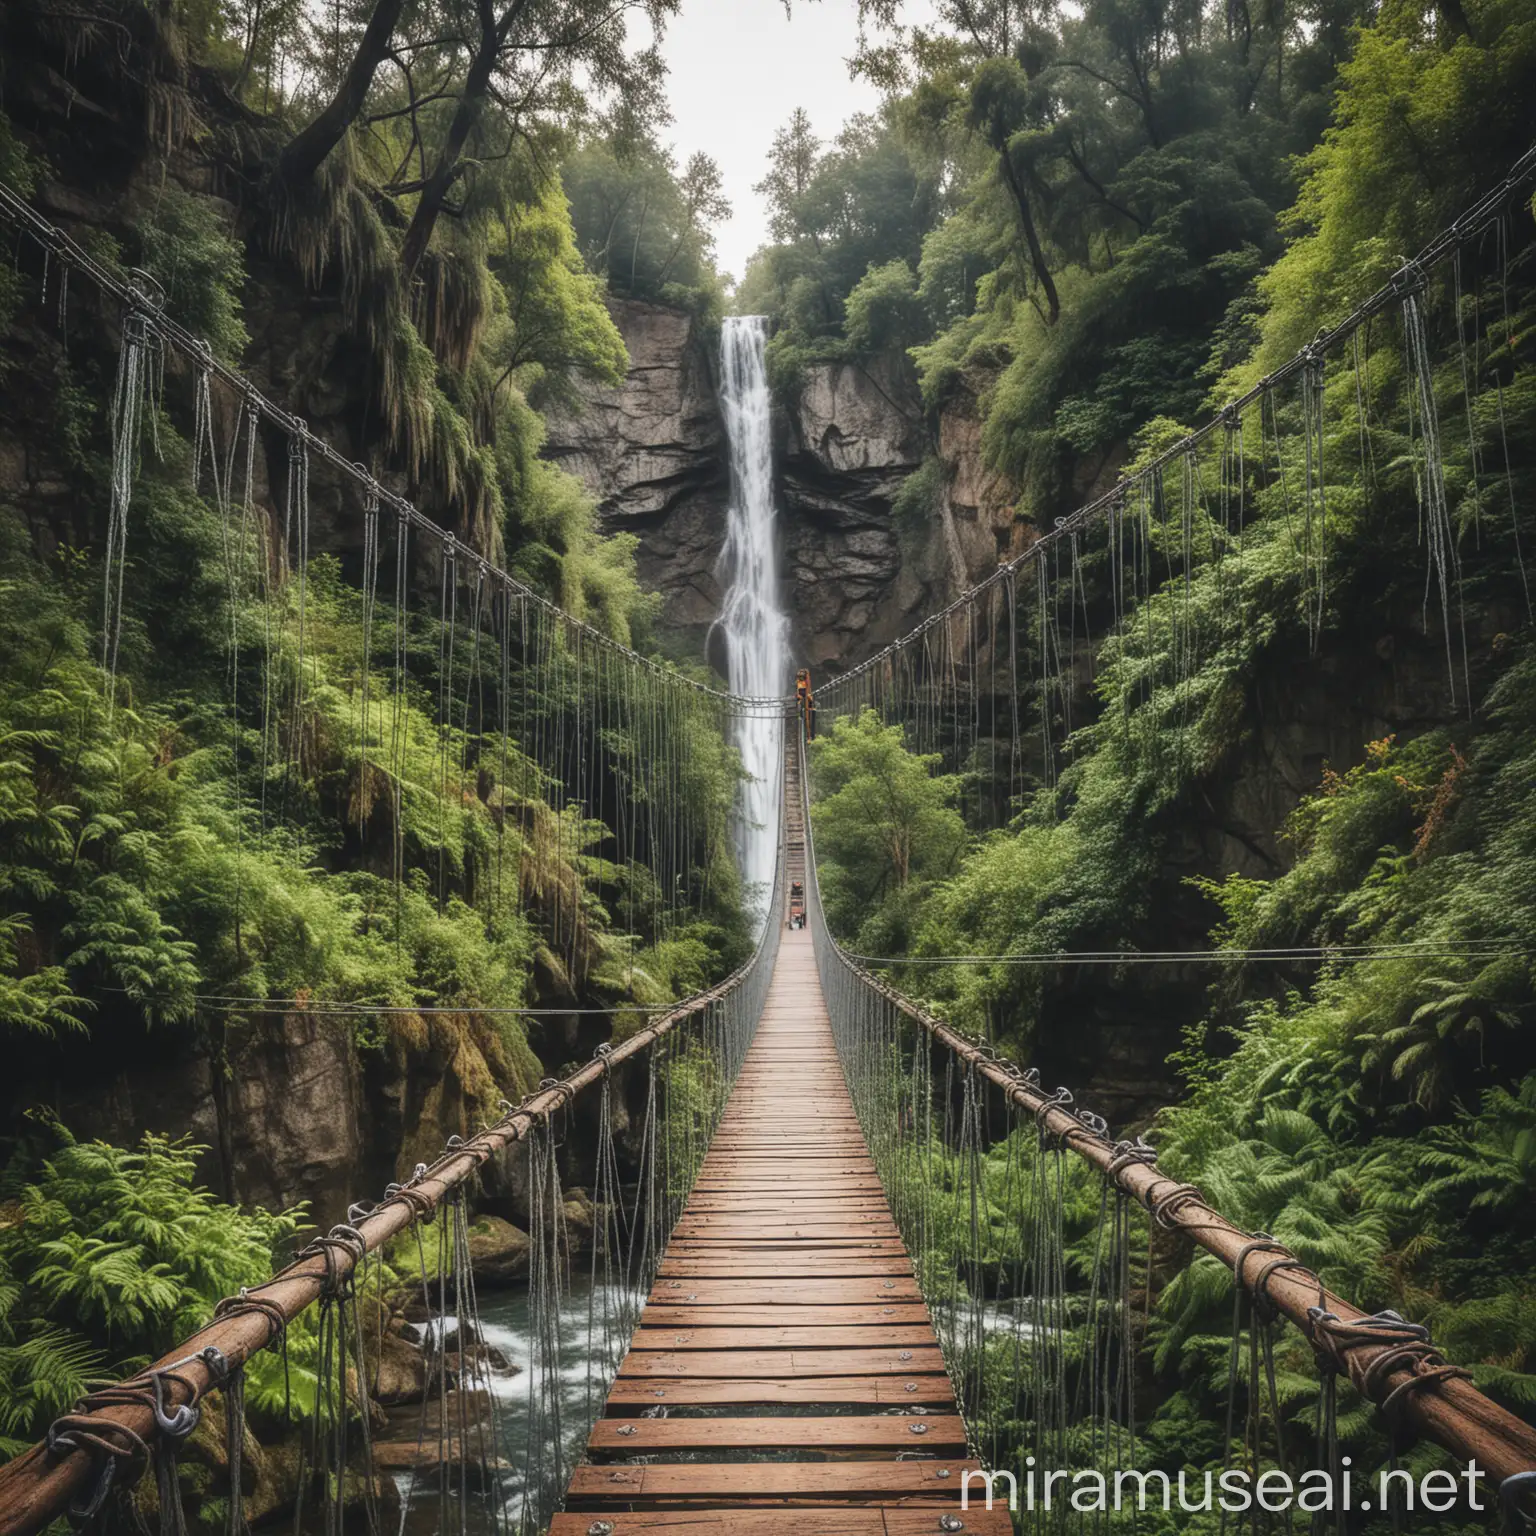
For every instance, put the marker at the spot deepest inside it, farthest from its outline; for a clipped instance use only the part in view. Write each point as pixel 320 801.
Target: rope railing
pixel 141 296
pixel 930 1153
pixel 108 1440
pixel 1400 291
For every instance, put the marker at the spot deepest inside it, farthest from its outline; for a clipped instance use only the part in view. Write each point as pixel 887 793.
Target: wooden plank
pixel 779 1290
pixel 776 1479
pixel 880 1336
pixel 831 1244
pixel 779 1362
pixel 944 1434
pixel 881 1391
pixel 783 1314
pixel 740 1267
pixel 785 1286
pixel 839 1234
pixel 783 1198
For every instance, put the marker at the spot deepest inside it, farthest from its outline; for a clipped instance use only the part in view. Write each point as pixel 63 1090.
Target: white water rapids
pixel 754 627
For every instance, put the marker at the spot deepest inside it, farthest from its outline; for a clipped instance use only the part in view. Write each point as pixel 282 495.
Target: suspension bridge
pixel 833 1282
pixel 786 1292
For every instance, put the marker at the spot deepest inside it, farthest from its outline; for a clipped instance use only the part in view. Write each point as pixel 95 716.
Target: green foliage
pixel 644 225
pixel 849 219
pixel 184 243
pixel 108 1256
pixel 1427 118
pixel 883 312
pixel 553 326
pixel 884 823
pixel 140 864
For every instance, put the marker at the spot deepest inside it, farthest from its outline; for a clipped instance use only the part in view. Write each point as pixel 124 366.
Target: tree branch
pixel 307 149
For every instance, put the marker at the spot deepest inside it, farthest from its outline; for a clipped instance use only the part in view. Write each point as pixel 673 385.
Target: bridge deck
pixel 785 1357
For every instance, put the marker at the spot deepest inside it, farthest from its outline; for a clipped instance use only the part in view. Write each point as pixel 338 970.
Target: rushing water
pixel 751 621
pixel 588 1361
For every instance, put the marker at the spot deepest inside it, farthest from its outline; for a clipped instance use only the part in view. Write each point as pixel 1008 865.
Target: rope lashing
pixel 1260 1286
pixel 341 1240
pixel 124 1454
pixel 1166 1203
pixel 423 1206
pixel 1127 1154
pixel 477 1151
pixel 1409 1348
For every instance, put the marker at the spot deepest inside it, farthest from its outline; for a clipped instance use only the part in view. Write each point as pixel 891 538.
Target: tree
pixel 308 148
pixel 556 324
pixel 704 204
pixel 638 221
pixel 473 87
pixel 792 163
pixel 884 311
pixel 883 817
pixel 1000 109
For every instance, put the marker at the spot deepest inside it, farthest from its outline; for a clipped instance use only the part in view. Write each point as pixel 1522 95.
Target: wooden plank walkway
pixel 785 1377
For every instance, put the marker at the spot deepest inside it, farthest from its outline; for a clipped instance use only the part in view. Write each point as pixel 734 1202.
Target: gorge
pixel 654 452
pixel 1155 526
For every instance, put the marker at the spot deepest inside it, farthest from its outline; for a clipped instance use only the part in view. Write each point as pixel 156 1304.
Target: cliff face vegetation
pixel 1253 872
pixel 293 967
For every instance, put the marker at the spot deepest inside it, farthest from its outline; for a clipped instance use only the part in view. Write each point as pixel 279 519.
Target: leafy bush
pixel 108 1256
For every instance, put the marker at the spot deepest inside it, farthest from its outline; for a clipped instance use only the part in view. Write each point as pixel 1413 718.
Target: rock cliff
pixel 853 580
pixel 654 453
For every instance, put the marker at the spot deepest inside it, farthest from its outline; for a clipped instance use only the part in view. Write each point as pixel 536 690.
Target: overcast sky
pixel 738 69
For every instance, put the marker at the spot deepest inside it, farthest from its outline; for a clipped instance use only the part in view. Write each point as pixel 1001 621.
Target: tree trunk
pixel 307 150
pixel 477 85
pixel 1031 236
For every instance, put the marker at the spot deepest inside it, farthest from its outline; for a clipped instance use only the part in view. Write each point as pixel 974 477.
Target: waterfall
pixel 755 630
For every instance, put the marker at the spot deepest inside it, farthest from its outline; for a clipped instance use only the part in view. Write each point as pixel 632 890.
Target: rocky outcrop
pixel 653 452
pixel 853 579
pixel 978 505
pixel 858 574
pixel 500 1252
pixel 290 1107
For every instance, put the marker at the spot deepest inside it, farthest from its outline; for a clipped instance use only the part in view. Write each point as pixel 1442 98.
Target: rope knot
pixel 245 1303
pixel 1408 1349
pixel 562 1091
pixel 422 1205
pixel 1127 1153
pixel 145 292
pixel 1167 1203
pixel 341 1239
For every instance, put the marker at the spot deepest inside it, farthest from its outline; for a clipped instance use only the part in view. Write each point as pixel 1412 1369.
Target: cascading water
pixel 752 623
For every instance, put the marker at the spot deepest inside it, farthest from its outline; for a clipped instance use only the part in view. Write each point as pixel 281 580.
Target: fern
pixel 112 1254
